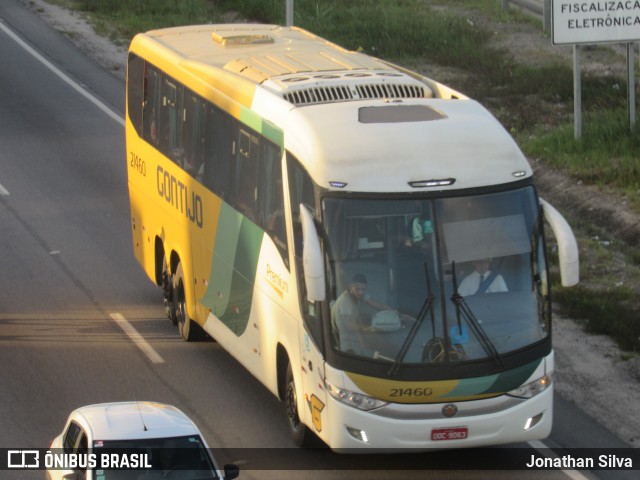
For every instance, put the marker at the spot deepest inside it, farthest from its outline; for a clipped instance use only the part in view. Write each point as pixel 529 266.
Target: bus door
pixel 313 373
pixel 301 192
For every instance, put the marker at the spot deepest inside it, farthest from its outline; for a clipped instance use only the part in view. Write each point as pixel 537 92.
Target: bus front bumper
pixel 422 427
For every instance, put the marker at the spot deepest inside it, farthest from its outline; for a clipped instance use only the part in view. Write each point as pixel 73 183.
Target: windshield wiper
pixel 426 308
pixel 463 308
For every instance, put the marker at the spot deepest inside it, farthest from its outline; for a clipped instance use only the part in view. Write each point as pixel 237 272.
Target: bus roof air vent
pixel 314 95
pixel 230 39
pixel 330 87
pixel 390 90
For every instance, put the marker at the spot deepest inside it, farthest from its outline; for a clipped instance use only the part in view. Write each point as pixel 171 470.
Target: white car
pixel 132 440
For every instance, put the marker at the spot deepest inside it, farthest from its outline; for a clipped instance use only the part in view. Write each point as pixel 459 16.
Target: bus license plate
pixel 458 433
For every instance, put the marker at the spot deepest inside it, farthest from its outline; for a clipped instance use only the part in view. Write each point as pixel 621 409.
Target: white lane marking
pixel 68 80
pixel 138 339
pixel 131 332
pixel 547 452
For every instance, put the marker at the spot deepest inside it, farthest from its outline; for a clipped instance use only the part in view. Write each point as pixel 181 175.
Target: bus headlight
pixel 357 400
pixel 532 389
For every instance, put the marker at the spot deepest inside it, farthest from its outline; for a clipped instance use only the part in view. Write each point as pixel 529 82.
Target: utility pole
pixel 289 14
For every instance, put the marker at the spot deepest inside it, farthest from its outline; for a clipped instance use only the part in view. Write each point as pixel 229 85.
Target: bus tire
pixel 299 432
pixel 167 292
pixel 188 329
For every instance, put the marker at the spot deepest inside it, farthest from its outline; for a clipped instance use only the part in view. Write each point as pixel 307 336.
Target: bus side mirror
pixel 312 263
pixel 567 245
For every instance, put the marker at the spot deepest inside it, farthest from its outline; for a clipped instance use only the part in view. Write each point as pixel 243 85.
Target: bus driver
pixel 350 315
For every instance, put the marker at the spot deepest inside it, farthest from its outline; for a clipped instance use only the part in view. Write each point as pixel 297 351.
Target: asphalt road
pixel 67 271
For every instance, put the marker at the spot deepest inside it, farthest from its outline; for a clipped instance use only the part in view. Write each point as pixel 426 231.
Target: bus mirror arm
pixel 312 263
pixel 567 245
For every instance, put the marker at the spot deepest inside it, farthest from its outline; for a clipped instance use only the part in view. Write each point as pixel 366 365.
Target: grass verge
pixel 606 156
pixel 611 312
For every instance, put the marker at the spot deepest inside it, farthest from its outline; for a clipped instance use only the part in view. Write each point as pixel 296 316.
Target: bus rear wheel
pixel 167 292
pixel 298 430
pixel 188 329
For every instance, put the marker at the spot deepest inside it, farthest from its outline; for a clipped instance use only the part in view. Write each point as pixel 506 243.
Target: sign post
pixel 631 91
pixel 588 22
pixel 577 94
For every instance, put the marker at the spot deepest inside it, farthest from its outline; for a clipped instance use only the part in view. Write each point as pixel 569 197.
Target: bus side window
pixel 218 152
pixel 270 197
pixel 135 93
pixel 301 190
pixel 171 120
pixel 245 181
pixel 193 135
pixel 151 109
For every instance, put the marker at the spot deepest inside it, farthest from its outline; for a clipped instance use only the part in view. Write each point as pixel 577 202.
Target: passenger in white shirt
pixel 482 280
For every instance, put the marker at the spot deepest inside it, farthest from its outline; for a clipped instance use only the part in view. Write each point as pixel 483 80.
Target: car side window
pixel 75 441
pixel 71 437
pixel 82 449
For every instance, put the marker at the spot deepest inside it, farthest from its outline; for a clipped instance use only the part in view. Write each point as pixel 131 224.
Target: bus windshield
pixel 436 280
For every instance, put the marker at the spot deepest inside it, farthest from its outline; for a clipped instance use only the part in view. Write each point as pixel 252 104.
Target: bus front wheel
pixel 298 430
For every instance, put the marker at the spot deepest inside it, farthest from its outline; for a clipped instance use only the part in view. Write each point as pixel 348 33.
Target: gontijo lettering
pixel 177 194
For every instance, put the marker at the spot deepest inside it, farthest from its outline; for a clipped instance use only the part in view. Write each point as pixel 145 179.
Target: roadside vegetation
pixel 535 103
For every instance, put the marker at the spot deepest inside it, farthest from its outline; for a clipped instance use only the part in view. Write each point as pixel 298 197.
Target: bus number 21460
pixel 411 392
pixel 137 163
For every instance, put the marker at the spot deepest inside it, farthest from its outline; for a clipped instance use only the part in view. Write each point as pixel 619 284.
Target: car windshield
pixel 435 280
pixel 185 458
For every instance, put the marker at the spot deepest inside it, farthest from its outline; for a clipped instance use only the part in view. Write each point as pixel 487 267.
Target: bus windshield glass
pixel 436 280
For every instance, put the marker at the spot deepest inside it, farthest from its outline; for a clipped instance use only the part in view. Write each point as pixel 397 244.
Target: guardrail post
pixel 538 7
pixel 546 16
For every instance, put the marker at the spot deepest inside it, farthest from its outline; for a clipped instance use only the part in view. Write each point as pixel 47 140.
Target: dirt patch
pixel 529 45
pixel 608 210
pixel 590 370
pixel 591 374
pixel 79 30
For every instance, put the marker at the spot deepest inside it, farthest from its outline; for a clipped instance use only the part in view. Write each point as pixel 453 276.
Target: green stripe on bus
pixel 501 383
pixel 472 386
pixel 266 128
pixel 233 272
pixel 515 378
pixel 217 295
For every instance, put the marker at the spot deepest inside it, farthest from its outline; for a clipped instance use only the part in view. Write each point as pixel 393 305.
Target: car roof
pixel 134 420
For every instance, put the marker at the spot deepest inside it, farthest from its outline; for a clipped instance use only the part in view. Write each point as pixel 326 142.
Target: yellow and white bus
pixel 320 213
